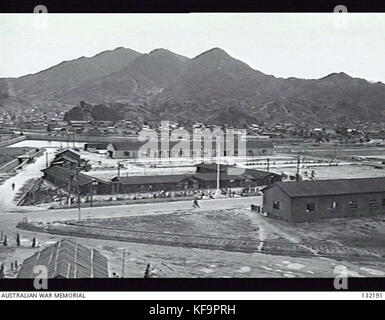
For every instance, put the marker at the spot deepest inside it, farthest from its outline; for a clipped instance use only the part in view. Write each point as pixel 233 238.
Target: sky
pixel 285 45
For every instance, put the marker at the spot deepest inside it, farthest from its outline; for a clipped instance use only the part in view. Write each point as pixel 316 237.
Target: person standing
pixel 13 186
pixel 196 203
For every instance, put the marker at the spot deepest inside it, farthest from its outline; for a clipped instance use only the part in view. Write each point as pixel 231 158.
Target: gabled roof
pixel 66 174
pixel 68 153
pixel 67 259
pixel 331 187
pixel 127 145
pixel 64 157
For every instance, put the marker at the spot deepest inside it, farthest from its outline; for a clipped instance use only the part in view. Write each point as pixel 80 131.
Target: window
pixel 333 205
pixel 353 204
pixel 276 205
pixel 310 207
pixel 373 203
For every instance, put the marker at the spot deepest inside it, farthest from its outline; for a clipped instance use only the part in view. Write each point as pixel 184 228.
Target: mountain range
pixel 212 86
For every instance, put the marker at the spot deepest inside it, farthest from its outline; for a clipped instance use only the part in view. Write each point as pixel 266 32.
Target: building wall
pixel 100 188
pixel 276 194
pixel 296 209
pixel 133 188
pixel 324 209
pixel 188 184
pixel 178 153
pixel 121 154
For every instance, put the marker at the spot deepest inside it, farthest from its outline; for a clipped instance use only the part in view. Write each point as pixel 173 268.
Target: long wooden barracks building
pixel 76 182
pixel 63 176
pixel 204 178
pixel 311 200
pixel 131 150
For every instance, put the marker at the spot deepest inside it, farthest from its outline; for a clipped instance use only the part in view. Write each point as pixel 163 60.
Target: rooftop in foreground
pixel 67 259
pixel 332 187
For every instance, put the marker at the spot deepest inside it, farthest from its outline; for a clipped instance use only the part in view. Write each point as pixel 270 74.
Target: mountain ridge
pixel 211 86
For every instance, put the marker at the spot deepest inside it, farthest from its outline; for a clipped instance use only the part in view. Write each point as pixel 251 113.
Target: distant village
pixel 52 124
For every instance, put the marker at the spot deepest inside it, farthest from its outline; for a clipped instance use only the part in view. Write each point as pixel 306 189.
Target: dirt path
pixel 268 230
pixel 29 171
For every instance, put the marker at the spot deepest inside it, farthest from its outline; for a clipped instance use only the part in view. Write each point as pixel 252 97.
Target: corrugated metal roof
pixel 67 259
pixel 332 187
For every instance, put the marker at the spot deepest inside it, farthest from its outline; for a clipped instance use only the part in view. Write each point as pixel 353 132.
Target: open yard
pixel 9 154
pixel 220 223
pixel 231 243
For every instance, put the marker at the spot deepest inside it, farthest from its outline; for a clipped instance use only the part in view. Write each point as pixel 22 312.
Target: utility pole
pixel 298 165
pixel 218 191
pixel 46 159
pixel 79 209
pixel 124 264
pixel 93 182
pixel 91 192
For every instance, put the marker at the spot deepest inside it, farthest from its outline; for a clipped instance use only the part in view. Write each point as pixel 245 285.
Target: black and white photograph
pixel 196 145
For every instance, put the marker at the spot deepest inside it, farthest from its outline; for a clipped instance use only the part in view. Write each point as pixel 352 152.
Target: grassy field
pixel 220 223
